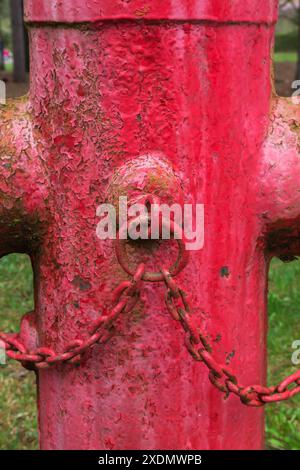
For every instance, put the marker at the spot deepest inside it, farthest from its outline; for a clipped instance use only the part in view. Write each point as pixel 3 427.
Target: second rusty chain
pixel 125 297
pixel 220 375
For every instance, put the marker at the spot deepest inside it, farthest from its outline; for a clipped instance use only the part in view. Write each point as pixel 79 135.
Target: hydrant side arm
pixel 279 182
pixel 23 181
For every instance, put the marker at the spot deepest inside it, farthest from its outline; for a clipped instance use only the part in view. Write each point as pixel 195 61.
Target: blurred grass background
pixel 286 44
pixel 283 419
pixel 18 424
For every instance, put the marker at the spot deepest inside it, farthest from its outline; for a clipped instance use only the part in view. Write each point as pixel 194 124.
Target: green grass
pixel 286 42
pixel 283 419
pixel 18 429
pixel 9 68
pixel 18 426
pixel 286 47
pixel 285 56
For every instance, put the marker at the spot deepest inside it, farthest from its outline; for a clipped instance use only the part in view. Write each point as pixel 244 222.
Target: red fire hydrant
pixel 123 95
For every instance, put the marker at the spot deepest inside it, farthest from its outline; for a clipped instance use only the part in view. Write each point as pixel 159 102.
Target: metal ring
pixel 180 263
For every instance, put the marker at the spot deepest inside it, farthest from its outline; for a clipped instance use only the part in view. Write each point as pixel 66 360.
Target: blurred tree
pixel 19 41
pixel 2 66
pixel 291 9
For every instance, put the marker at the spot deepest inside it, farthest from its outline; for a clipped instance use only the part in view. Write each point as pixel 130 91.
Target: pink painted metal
pixel 104 92
pixel 93 11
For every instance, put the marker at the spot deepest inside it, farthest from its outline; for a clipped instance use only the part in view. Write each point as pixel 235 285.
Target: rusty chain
pixel 220 375
pixel 125 297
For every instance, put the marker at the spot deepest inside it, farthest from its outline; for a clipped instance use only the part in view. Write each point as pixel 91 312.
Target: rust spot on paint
pixel 224 271
pixel 218 338
pixel 230 356
pixel 142 11
pixel 81 284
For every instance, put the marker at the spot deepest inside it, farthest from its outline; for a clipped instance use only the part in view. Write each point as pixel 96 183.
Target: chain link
pixel 220 375
pixel 125 297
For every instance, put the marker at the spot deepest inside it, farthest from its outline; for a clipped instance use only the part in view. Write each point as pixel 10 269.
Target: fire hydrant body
pixel 111 81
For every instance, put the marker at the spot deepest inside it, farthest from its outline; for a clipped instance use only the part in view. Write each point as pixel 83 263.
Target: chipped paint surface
pixel 24 185
pixel 265 11
pixel 104 94
pixel 150 174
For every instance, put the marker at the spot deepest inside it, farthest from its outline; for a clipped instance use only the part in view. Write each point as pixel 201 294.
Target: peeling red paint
pixel 91 10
